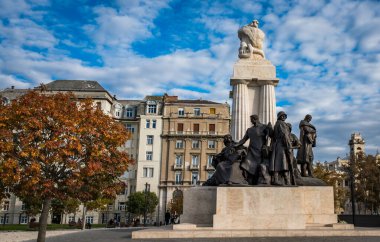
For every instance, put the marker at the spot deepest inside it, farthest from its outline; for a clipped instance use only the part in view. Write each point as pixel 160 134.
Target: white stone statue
pixel 251 41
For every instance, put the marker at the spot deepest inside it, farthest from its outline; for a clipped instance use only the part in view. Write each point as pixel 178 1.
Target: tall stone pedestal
pixel 259 207
pixel 253 83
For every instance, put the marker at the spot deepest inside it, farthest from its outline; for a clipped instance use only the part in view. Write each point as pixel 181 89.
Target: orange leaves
pixel 9 172
pixel 55 145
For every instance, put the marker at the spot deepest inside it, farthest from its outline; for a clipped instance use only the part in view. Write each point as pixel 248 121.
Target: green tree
pixel 367 182
pixel 54 146
pixel 139 201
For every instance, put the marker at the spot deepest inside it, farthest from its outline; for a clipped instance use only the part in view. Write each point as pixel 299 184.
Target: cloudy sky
pixel 327 54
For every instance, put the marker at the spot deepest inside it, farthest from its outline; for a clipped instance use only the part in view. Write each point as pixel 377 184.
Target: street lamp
pixel 147 190
pixel 352 178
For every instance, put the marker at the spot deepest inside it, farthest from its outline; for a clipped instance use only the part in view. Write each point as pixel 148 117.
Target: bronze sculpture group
pixel 269 158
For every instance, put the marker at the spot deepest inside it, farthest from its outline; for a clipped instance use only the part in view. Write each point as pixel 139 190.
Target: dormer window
pixel 118 108
pixel 152 108
pixel 129 113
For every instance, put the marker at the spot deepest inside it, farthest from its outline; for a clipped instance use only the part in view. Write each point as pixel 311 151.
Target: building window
pixel 71 219
pixel 154 123
pixel 195 144
pixel 209 174
pixel 6 205
pixel 147 172
pixel 211 144
pixel 23 219
pixel 117 113
pixel 99 105
pixel 147 124
pixel 130 128
pixel 211 128
pixel 152 108
pixel 195 161
pixel 212 111
pixel 180 128
pixel 149 139
pixel 4 219
pixel 181 112
pixel 196 128
pixel 89 219
pixel 197 112
pixel 149 155
pixel 23 206
pixel 110 207
pixel 194 177
pixel 179 144
pixel 121 206
pixel 178 177
pixel 209 160
pixel 129 113
pixel 178 160
pixel 128 144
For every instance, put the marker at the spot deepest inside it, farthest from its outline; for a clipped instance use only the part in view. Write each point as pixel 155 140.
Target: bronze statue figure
pixel 280 162
pixel 308 136
pixel 227 165
pixel 256 163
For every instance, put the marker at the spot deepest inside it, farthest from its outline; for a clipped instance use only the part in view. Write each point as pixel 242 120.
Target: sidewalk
pixel 18 236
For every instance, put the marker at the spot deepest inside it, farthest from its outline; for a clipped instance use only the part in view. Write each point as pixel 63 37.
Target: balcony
pixel 209 167
pixel 194 167
pixel 178 166
pixel 190 132
pixel 198 115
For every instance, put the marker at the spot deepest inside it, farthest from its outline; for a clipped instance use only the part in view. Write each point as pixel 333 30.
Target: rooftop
pixel 74 85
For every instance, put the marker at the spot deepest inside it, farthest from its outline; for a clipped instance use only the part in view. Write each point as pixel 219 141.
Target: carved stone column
pixel 240 105
pixel 267 111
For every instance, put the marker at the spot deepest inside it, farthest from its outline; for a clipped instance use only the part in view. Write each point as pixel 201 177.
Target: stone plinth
pixel 259 207
pixel 199 205
pixel 253 83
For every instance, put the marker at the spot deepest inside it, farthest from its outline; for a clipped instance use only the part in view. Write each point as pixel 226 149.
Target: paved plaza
pixel 124 235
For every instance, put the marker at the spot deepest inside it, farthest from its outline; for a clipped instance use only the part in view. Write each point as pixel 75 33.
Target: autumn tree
pixel 139 201
pixel 56 147
pixel 335 179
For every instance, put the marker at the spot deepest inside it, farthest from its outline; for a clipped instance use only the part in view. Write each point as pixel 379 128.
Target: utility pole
pixel 352 176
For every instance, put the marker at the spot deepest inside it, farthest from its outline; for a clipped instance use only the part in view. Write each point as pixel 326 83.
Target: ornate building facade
pixel 192 134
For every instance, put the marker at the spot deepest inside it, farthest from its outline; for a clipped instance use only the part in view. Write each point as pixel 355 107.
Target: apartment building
pixel 172 144
pixel 192 134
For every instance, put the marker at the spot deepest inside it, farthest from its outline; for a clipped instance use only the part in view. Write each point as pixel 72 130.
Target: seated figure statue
pixel 227 165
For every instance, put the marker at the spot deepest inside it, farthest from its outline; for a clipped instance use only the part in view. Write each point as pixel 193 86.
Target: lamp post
pixel 352 178
pixel 147 190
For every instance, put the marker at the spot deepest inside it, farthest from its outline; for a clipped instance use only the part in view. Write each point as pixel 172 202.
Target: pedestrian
pixel 167 217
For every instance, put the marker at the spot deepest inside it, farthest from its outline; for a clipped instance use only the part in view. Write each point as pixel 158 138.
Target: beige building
pixel 192 134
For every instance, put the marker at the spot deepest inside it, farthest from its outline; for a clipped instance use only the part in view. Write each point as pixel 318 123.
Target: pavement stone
pixel 124 235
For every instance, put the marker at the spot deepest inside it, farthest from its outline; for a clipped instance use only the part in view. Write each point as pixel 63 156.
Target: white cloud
pixel 330 58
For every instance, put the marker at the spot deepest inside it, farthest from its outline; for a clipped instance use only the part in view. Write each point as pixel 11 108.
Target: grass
pixel 24 227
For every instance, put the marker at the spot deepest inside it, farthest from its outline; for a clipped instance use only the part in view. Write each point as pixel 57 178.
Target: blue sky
pixel 327 54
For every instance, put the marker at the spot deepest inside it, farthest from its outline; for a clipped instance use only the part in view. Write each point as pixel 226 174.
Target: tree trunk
pixel 43 220
pixel 84 217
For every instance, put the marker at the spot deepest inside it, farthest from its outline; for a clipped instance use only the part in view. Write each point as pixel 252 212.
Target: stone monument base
pixel 259 207
pixel 230 212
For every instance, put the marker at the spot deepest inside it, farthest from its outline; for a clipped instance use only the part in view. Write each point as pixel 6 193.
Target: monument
pixel 258 190
pixel 253 81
